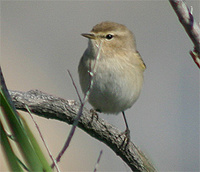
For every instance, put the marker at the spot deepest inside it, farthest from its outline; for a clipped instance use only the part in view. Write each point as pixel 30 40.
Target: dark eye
pixel 109 36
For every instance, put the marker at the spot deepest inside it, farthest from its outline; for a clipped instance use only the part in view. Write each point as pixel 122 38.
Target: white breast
pixel 116 87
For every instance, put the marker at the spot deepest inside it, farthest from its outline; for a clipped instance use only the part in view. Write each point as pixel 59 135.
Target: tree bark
pixel 52 107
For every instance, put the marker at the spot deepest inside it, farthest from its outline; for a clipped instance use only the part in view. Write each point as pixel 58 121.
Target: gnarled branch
pixel 49 106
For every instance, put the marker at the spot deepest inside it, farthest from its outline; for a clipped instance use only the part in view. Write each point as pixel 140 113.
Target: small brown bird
pixel 115 67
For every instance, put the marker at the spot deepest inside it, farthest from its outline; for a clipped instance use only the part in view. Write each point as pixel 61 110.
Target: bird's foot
pixel 127 135
pixel 126 140
pixel 94 114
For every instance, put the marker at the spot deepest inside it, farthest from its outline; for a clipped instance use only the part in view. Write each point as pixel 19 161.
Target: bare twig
pixel 49 106
pixel 85 99
pixel 92 73
pixel 43 140
pixel 187 20
pixel 76 89
pixel 72 131
pixel 98 160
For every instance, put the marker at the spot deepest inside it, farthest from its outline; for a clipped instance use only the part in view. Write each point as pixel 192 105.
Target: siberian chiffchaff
pixel 115 67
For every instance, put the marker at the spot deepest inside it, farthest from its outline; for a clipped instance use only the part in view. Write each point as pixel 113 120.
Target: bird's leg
pixel 127 131
pixel 94 114
pixel 126 140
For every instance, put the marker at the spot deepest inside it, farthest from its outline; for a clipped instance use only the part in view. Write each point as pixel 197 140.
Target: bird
pixel 111 69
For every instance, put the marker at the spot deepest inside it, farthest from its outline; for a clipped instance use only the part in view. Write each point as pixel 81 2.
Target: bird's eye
pixel 109 36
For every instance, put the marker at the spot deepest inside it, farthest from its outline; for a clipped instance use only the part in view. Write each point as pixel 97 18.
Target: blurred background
pixel 40 40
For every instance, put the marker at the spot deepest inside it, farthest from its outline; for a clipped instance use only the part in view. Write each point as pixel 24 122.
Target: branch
pixel 52 107
pixel 192 28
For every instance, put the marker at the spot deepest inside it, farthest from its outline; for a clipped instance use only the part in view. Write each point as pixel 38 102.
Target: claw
pixel 94 114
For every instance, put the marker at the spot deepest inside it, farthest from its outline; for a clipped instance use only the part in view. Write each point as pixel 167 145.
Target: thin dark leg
pixel 127 128
pixel 127 131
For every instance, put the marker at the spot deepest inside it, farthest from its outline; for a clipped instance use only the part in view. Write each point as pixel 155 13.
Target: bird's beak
pixel 89 35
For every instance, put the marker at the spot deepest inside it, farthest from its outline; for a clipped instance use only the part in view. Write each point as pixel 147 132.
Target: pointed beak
pixel 89 35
